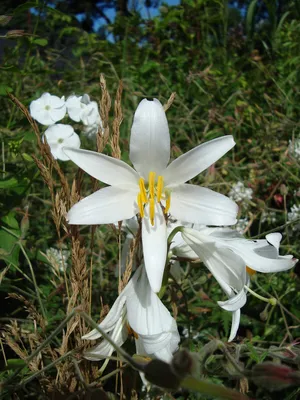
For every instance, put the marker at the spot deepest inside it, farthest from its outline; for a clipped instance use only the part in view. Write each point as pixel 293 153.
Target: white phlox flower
pixel 81 108
pixel 137 311
pixel 293 215
pixel 153 189
pixel 232 259
pixel 58 136
pixel 239 192
pixel 294 148
pixel 58 258
pixel 48 109
pixel 241 225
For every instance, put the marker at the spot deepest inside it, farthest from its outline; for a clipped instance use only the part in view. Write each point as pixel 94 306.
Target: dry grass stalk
pixel 170 101
pixel 133 251
pixel 118 118
pixel 62 199
pixel 32 122
pixel 105 105
pixel 30 308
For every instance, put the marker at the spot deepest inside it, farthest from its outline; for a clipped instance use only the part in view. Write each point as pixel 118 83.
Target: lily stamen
pixel 154 192
pixel 160 185
pixel 151 184
pixel 140 205
pixel 143 192
pixel 168 203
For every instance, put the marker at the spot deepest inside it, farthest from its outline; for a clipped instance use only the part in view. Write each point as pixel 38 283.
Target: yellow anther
pixel 151 182
pixel 168 203
pixel 152 210
pixel 140 205
pixel 250 271
pixel 160 185
pixel 143 193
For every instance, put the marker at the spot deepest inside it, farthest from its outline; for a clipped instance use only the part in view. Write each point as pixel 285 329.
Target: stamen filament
pixel 140 205
pixel 151 182
pixel 152 210
pixel 160 185
pixel 168 203
pixel 143 192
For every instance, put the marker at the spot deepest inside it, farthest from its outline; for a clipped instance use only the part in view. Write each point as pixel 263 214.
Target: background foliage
pixel 235 69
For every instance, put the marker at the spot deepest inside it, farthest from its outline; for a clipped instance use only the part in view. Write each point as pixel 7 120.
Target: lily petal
pixel 116 312
pixel 228 268
pixel 154 240
pixel 150 139
pixel 259 255
pixel 146 314
pixel 104 168
pixel 236 316
pixel 105 349
pixel 196 204
pixel 103 207
pixel 197 160
pixel 234 303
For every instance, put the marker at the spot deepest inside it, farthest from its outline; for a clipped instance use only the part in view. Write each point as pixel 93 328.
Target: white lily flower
pixel 140 312
pixel 231 259
pixel 153 188
pixel 48 109
pixel 58 136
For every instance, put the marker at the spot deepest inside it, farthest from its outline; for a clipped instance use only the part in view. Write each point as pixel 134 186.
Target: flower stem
pixel 271 300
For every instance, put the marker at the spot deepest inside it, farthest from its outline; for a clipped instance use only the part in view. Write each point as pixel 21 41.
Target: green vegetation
pixel 234 73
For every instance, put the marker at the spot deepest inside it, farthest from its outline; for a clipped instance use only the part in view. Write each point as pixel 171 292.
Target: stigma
pixel 151 193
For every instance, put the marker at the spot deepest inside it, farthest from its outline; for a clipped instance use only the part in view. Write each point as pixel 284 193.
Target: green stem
pixel 34 280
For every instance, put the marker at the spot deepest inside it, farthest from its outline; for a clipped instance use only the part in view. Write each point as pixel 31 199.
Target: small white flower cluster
pixel 293 215
pixel 268 217
pixel 49 109
pixel 294 148
pixel 241 225
pixel 57 258
pixel 240 193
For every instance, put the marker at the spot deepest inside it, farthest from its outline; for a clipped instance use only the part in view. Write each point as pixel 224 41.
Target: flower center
pixel 154 192
pixel 47 108
pixel 60 140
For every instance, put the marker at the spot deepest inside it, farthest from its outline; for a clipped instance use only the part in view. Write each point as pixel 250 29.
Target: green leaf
pixel 25 7
pixel 211 389
pixel 9 246
pixel 10 220
pixel 250 18
pixel 40 42
pixel 4 89
pixel 15 363
pixel 27 157
pixel 29 136
pixel 9 183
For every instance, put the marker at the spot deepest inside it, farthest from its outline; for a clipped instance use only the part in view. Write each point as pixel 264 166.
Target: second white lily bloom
pixel 137 311
pixel 231 258
pixel 153 188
